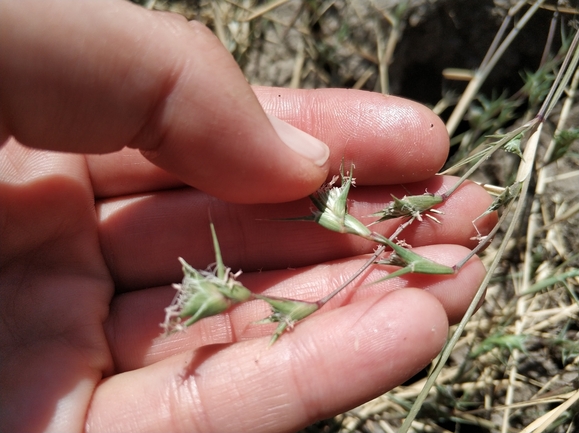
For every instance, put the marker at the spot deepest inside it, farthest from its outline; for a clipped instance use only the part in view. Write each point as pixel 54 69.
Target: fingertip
pixel 408 325
pixel 412 140
pixel 457 297
pixel 360 351
pixel 454 292
pixel 388 139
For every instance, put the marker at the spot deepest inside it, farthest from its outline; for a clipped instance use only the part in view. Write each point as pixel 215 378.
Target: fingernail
pixel 300 141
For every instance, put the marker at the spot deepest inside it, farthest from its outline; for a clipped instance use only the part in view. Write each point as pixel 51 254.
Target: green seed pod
pixel 409 261
pixel 410 207
pixel 204 300
pixel 286 312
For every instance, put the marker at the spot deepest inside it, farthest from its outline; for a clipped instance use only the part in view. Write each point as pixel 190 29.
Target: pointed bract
pixel 415 263
pixel 331 204
pixel 413 206
pixel 514 146
pixel 409 261
pixel 286 312
pixel 510 193
pixel 203 293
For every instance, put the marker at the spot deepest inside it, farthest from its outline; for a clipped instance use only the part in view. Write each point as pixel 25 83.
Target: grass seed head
pixel 202 294
pixel 332 207
pixel 514 146
pixel 286 312
pixel 410 207
pixel 415 263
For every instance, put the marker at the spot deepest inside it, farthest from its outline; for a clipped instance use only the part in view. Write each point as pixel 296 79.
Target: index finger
pixel 389 140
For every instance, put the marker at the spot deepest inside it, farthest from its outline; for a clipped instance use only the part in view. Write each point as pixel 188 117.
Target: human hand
pixel 89 242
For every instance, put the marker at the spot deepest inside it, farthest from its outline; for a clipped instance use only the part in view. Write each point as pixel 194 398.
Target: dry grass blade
pixel 268 7
pixel 487 66
pixel 546 421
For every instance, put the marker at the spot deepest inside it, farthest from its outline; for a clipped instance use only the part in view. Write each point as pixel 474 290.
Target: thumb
pixel 216 136
pixel 80 79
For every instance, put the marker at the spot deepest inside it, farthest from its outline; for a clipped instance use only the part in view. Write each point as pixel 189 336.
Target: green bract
pixel 409 261
pixel 514 146
pixel 411 207
pixel 203 293
pixel 510 192
pixel 332 208
pixel 287 312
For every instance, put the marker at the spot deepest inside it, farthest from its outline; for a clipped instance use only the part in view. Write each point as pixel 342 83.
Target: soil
pixel 435 35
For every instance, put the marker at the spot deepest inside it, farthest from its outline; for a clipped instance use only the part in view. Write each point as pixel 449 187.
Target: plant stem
pixel 448 348
pixel 488 238
pixel 366 265
pixel 508 137
pixel 567 69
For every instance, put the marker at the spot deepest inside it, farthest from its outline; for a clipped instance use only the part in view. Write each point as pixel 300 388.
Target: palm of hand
pixel 57 290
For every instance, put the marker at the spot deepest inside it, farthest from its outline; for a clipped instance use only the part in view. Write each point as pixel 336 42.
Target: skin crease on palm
pixel 107 113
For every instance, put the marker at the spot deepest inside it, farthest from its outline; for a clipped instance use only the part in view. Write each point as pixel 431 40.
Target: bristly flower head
pixel 413 207
pixel 332 207
pixel 514 146
pixel 409 261
pixel 203 293
pixel 505 197
pixel 286 312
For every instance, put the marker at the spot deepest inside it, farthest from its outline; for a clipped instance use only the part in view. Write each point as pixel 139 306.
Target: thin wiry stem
pixel 567 69
pixel 488 238
pixel 379 250
pixel 448 348
pixel 345 284
pixel 550 36
pixel 508 137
